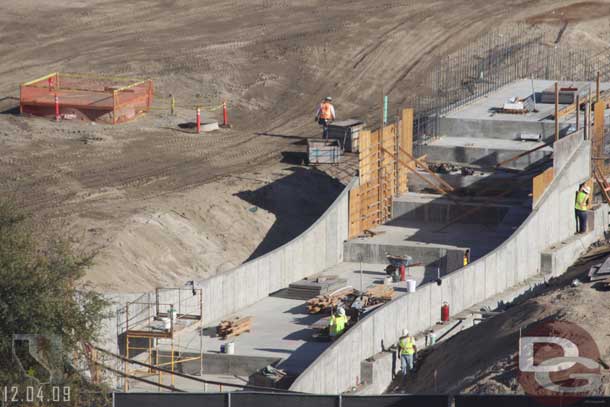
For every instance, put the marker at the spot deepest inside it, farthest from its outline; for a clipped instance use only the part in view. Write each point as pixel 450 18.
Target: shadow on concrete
pixel 303 356
pixel 297 201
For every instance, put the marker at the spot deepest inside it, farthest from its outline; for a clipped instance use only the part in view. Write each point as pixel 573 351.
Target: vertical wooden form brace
pixel 598 137
pixel 406 144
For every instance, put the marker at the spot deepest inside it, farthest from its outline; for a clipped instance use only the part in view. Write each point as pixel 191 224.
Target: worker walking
pixel 337 323
pixel 580 206
pixel 407 349
pixel 325 114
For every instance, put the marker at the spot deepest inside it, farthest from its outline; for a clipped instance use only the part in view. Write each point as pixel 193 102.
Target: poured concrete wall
pixel 517 259
pixel 503 129
pixel 319 247
pixel 447 258
pixel 442 210
pixel 484 157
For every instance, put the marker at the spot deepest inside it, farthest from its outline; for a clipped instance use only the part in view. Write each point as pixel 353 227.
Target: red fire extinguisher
pixel 445 312
pixel 403 272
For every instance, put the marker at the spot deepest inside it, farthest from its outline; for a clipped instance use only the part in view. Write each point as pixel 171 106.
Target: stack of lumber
pixel 325 302
pixel 234 327
pixel 378 294
pixel 309 288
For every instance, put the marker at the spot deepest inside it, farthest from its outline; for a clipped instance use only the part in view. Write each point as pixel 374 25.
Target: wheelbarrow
pixel 393 269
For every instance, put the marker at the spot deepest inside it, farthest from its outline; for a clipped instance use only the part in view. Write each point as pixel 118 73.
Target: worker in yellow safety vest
pixel 407 349
pixel 581 206
pixel 325 114
pixel 466 257
pixel 337 323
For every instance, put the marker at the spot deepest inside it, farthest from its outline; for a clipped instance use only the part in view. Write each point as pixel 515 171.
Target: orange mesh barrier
pixel 87 97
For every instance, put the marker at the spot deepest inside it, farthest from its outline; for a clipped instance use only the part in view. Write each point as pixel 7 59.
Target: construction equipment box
pixel 347 132
pixel 320 151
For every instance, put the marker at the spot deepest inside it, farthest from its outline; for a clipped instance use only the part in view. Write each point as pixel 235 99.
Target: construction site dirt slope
pixel 483 359
pixel 271 60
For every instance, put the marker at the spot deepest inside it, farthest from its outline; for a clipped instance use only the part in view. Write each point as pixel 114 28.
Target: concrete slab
pixel 485 152
pixel 424 240
pixel 480 119
pixel 281 326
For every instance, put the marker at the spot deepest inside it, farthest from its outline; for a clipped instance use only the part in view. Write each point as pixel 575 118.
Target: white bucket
pixel 230 348
pixel 387 281
pixel 167 323
pixel 411 284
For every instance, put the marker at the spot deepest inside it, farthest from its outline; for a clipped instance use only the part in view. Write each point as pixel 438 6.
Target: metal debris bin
pixel 320 151
pixel 346 131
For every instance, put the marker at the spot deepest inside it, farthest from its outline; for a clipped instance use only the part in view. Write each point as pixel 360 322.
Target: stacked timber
pixel 234 327
pixel 309 288
pixel 327 302
pixel 378 294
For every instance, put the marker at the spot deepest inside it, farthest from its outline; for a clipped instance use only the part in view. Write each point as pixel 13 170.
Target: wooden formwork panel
pixel 382 175
pixel 540 183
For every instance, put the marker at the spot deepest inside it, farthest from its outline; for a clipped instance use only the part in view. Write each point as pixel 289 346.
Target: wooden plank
pixel 540 183
pixel 598 132
pixel 406 142
pixel 523 154
pixel 428 170
pixel 426 180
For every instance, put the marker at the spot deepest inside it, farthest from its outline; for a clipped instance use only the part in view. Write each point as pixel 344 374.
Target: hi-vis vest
pixel 337 325
pixel 581 199
pixel 325 111
pixel 407 346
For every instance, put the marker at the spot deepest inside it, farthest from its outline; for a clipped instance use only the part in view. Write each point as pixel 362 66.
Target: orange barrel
pixel 445 312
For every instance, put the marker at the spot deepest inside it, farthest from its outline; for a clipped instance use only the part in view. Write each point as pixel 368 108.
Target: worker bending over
pixel 337 323
pixel 407 349
pixel 581 206
pixel 325 114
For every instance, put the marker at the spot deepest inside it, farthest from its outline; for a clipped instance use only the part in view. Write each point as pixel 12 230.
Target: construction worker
pixel 466 257
pixel 407 349
pixel 337 323
pixel 580 206
pixel 325 114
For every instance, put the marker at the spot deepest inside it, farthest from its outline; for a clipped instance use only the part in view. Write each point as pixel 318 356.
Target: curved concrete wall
pixel 517 259
pixel 319 247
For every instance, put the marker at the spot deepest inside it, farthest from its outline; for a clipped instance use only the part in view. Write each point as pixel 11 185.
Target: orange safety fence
pixel 88 97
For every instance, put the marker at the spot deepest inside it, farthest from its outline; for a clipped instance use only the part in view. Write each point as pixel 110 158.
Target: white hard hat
pixel 328 98
pixel 341 311
pixel 405 332
pixel 587 189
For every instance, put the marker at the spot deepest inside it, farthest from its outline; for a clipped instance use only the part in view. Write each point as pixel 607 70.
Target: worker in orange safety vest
pixel 325 114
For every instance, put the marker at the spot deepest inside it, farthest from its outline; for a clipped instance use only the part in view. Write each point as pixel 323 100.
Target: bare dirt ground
pixel 272 60
pixel 491 364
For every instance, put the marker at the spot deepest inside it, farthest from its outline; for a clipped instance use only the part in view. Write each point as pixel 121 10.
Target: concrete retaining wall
pixel 442 210
pixel 516 260
pixel 447 258
pixel 503 129
pixel 485 157
pixel 319 247
pixel 314 250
